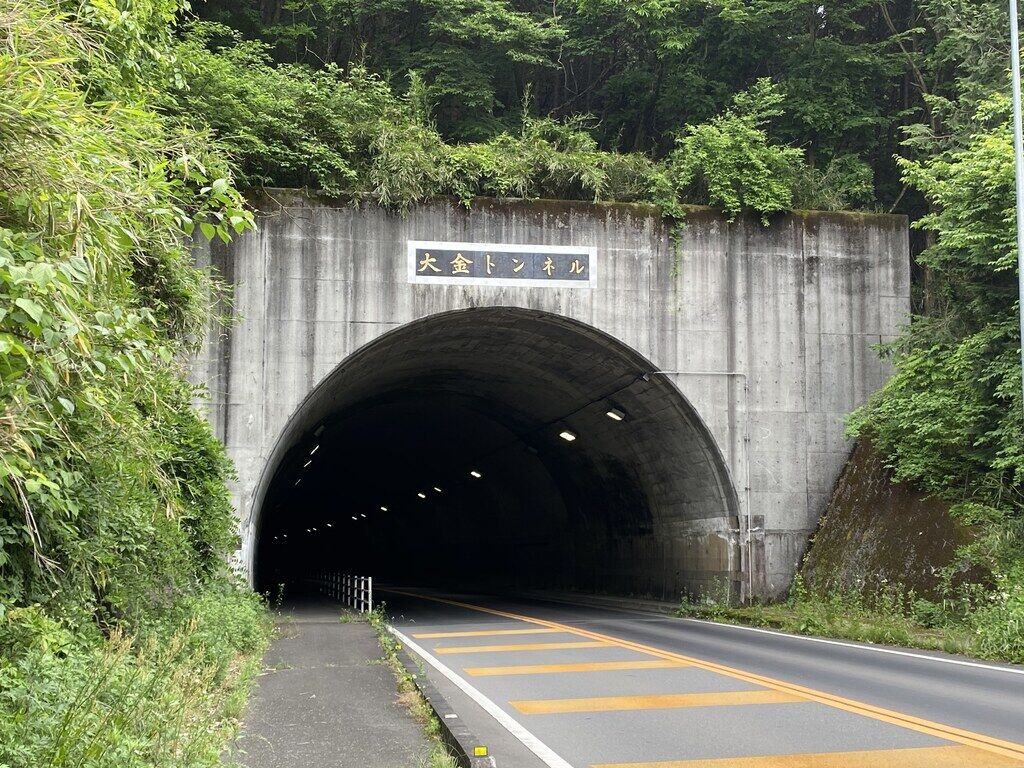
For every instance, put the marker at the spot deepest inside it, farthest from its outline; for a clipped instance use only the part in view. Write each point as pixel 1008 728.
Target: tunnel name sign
pixel 500 264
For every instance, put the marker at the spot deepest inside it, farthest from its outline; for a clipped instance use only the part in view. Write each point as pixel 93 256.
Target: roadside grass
pixel 409 694
pixel 889 617
pixel 170 695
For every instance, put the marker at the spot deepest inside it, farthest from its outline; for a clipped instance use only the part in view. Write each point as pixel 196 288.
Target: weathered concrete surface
pixel 876 531
pixel 326 699
pixel 767 330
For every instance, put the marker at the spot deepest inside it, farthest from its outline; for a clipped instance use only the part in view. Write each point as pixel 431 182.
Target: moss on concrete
pixel 876 531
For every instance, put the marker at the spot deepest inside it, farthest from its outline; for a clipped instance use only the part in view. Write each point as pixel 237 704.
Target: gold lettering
pixel 428 262
pixel 460 265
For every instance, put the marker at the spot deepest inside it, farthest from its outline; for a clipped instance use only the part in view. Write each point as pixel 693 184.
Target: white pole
pixel 1018 155
pixel 369 581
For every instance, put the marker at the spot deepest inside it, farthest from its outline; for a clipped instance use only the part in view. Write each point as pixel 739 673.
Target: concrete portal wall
pixel 766 330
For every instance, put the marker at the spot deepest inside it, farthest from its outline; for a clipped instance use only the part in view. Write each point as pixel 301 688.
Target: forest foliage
pixel 115 519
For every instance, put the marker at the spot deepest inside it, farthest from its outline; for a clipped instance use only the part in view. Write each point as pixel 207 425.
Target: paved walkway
pixel 323 701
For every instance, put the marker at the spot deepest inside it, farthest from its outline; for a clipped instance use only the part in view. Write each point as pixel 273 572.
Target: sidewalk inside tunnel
pixel 509 447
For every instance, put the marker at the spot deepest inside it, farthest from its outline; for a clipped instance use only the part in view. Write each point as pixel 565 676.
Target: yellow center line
pixel 915 757
pixel 485 633
pixel 522 647
pixel 939 730
pixel 583 666
pixel 653 701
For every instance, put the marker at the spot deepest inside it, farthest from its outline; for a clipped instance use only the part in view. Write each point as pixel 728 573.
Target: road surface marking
pixel 583 666
pixel 535 745
pixel 918 757
pixel 857 646
pixel 523 647
pixel 654 701
pixel 939 730
pixel 650 612
pixel 485 633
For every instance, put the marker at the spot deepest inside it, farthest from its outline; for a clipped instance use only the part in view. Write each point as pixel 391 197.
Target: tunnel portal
pixel 499 448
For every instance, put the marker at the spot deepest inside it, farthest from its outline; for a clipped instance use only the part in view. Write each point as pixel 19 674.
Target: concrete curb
pixel 461 742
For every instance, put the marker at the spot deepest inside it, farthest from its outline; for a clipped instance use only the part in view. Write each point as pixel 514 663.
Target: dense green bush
pixel 348 132
pixel 951 419
pixel 115 520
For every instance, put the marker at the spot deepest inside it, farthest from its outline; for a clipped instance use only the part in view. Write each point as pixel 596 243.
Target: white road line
pixel 862 647
pixel 857 646
pixel 535 745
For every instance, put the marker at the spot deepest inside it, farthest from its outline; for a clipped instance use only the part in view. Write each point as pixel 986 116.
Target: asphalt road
pixel 548 684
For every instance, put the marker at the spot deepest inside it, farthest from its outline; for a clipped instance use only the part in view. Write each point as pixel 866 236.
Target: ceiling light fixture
pixel 307 463
pixel 383 509
pixel 362 515
pixel 476 474
pixel 566 435
pixel 315 449
pixel 615 414
pixel 354 517
pixel 437 489
pixel 329 525
pixel 422 495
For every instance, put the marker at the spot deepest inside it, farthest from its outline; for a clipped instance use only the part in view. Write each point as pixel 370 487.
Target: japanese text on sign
pixel 450 263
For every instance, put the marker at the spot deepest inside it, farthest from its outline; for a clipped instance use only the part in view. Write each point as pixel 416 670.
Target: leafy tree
pixel 951 418
pixel 730 162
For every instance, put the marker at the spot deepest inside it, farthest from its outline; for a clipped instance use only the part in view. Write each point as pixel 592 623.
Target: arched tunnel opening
pixel 498 448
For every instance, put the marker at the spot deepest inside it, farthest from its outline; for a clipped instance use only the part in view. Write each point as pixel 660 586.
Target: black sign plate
pixel 552 266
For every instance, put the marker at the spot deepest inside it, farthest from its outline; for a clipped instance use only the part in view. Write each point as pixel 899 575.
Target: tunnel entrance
pixel 498 448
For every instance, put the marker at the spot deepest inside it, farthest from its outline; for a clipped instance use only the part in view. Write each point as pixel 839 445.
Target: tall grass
pixel 171 696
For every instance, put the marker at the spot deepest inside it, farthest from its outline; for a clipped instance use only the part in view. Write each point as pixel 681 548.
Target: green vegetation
pixel 950 419
pixel 409 694
pixel 347 132
pixel 123 637
pixel 888 615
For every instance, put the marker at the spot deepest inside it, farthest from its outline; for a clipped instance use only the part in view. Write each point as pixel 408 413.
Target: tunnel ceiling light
pixel 422 495
pixel 383 509
pixel 329 525
pixel 298 481
pixel 315 449
pixel 615 414
pixel 308 531
pixel 284 535
pixel 314 529
pixel 476 474
pixel 275 538
pixel 307 463
pixel 355 518
pixel 362 515
pixel 566 435
pixel 437 489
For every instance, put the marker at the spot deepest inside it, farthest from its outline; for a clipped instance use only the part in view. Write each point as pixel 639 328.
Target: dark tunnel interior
pixel 497 448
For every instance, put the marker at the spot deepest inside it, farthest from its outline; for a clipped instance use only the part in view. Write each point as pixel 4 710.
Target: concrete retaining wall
pixel 766 330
